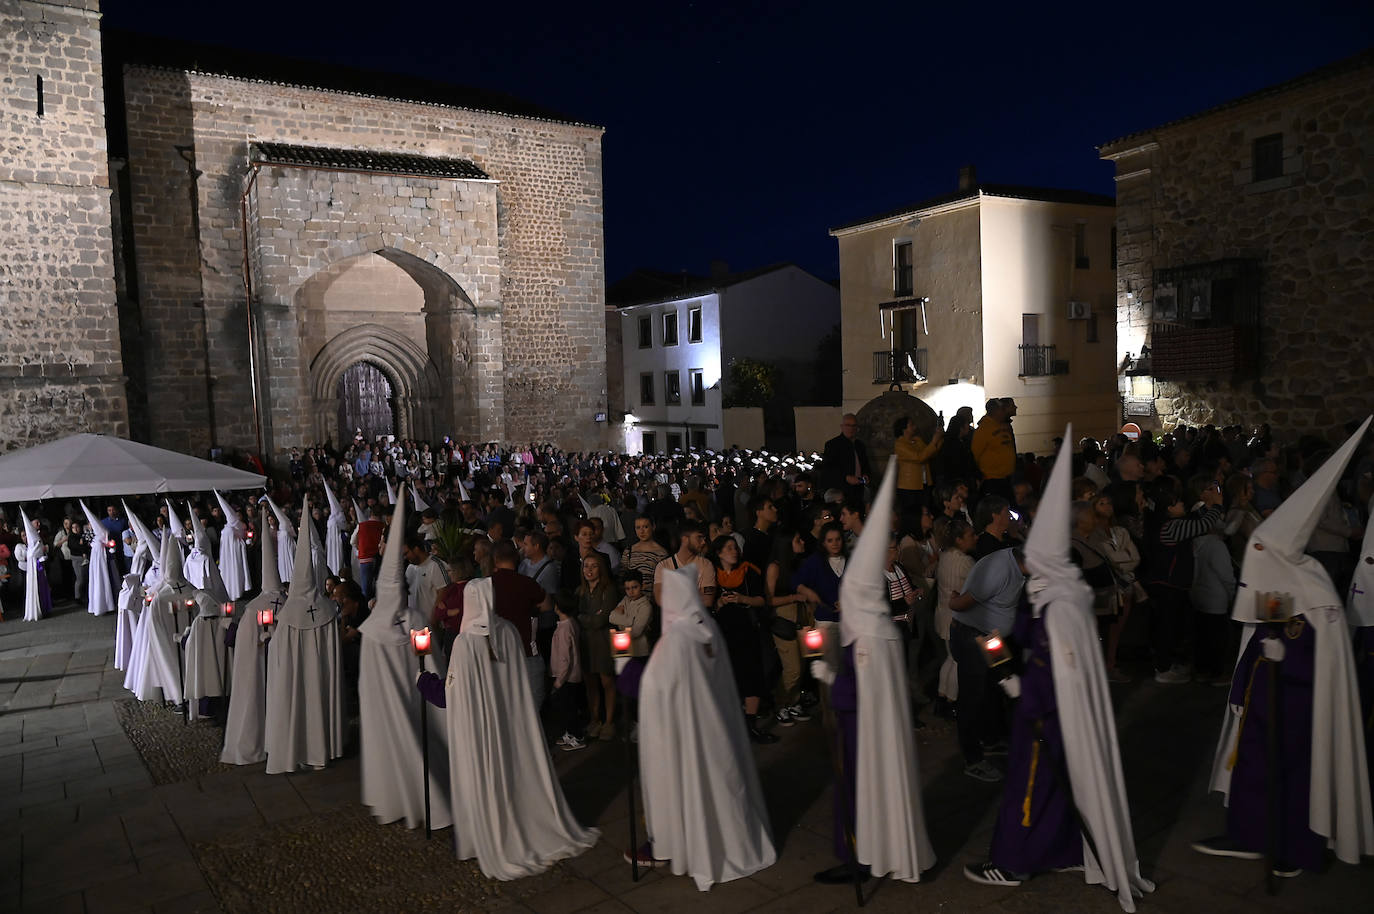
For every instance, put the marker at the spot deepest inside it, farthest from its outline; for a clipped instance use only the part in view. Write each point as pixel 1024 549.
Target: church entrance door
pixel 365 402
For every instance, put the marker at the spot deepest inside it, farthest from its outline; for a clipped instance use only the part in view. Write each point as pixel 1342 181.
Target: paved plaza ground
pixel 92 822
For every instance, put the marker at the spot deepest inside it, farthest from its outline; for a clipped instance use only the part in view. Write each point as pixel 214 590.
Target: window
pixel 38 84
pixel 1080 246
pixel 670 328
pixel 698 383
pixel 1266 157
pixel 1030 330
pixel 648 442
pixel 1092 327
pixel 646 389
pixel 646 332
pixel 694 325
pixel 674 441
pixel 901 269
pixel 698 439
pixel 904 325
pixel 672 388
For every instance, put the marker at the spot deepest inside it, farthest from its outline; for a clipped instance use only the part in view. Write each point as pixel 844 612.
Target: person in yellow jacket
pixel 994 448
pixel 914 477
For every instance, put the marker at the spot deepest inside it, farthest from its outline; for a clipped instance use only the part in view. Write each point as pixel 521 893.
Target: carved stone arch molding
pixel 418 392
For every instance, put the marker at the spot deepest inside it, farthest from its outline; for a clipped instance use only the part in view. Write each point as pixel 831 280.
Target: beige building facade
pixel 991 291
pixel 1245 269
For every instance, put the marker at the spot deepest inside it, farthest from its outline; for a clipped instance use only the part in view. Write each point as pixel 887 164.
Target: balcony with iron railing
pixel 899 366
pixel 1039 362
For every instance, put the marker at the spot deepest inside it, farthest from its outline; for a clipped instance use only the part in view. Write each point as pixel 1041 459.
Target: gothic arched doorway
pixel 366 401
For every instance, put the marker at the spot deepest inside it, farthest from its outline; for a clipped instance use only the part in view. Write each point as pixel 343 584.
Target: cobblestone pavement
pixel 83 828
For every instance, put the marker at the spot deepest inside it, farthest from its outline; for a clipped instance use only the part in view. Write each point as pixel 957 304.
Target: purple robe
pixel 844 701
pixel 1037 829
pixel 44 591
pixel 1289 710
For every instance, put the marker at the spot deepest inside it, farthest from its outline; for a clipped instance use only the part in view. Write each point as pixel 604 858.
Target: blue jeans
pixel 367 577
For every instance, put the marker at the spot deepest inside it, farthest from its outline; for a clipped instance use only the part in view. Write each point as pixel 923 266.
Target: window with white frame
pixel 672 388
pixel 670 328
pixel 694 325
pixel 902 280
pixel 646 332
pixel 646 388
pixel 698 383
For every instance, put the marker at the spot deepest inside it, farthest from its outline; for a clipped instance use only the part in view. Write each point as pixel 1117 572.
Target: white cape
pixel 508 807
pixel 233 552
pixel 243 730
pixel 304 724
pixel 205 656
pixel 126 622
pixel 702 800
pixel 154 671
pixel 100 583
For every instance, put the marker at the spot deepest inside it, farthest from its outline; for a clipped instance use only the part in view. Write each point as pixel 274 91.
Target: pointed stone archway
pixel 416 391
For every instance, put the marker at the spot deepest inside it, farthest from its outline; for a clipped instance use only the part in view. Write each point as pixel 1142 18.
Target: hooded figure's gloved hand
pixel 1012 686
pixel 1273 649
pixel 822 671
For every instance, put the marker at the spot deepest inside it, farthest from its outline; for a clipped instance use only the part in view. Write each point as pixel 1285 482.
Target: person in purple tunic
pixel 1064 798
pixel 1291 760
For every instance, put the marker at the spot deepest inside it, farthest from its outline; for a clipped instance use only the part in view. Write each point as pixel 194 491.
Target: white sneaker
pixel 573 744
pixel 1173 676
pixel 784 717
pixel 799 713
pixel 563 740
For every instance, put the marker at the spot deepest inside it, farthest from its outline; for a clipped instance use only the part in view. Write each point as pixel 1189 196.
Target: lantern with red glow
pixel 420 641
pixel 812 641
pixel 228 609
pixel 995 649
pixel 620 642
pixel 250 536
pixel 190 603
pixel 266 617
pixel 110 547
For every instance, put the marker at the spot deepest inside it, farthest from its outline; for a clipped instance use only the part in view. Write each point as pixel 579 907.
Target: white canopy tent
pixel 87 465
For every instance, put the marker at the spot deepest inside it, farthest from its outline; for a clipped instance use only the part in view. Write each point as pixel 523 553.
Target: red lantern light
pixel 994 648
pixel 420 641
pixel 190 603
pixel 620 642
pixel 250 535
pixel 813 641
pixel 266 617
pixel 229 609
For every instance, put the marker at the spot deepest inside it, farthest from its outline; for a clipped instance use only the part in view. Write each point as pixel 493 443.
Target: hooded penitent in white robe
pixel 205 659
pixel 147 563
pixel 1359 606
pixel 1339 807
pixel 200 568
pixel 243 729
pixel 178 530
pixel 154 672
pixel 304 678
pixel 702 800
pixel 390 492
pixel 508 807
pixel 35 554
pixel 233 551
pixel 335 557
pixel 101 585
pixel 130 605
pixel 420 503
pixel 889 818
pixel 286 543
pixel 390 708
pixel 1059 595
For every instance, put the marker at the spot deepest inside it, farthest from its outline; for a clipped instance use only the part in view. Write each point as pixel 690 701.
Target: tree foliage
pixel 751 383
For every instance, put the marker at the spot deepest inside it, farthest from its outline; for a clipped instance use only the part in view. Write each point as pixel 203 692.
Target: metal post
pixel 632 766
pixel 424 750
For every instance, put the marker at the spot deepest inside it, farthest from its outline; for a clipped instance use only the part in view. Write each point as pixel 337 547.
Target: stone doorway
pixel 366 402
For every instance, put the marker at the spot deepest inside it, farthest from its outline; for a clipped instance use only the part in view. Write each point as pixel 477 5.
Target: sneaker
pixel 1223 846
pixel 988 874
pixel 1285 871
pixel 644 856
pixel 1117 677
pixel 562 740
pixel 762 737
pixel 798 712
pixel 983 770
pixel 784 717
pixel 1173 676
pixel 571 744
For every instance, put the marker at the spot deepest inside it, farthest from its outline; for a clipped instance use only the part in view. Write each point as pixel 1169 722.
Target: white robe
pixel 336 555
pixel 508 807
pixel 233 559
pixel 126 622
pixel 389 709
pixel 243 730
pixel 702 799
pixel 286 555
pixel 154 672
pixel 101 586
pixel 205 660
pixel 31 559
pixel 304 724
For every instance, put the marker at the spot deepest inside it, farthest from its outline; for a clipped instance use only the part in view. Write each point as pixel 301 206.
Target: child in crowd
pixel 634 612
pixel 566 667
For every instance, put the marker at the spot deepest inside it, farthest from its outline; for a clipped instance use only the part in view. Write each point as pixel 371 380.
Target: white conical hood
pixel 391 584
pixel 420 503
pixel 271 577
pixel 477 600
pixel 683 613
pixel 359 512
pixel 29 534
pixel 284 522
pixel 1054 576
pixel 865 611
pixel 529 490
pixel 1274 558
pixel 146 538
pixel 175 522
pixel 173 584
pixel 462 490
pixel 198 533
pixel 231 517
pixel 306 606
pixel 1360 605
pixel 335 508
pixel 97 528
pixel 586 505
pixel 390 493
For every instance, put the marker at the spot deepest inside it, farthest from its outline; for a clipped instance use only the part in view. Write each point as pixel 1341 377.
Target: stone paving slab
pixel 89 831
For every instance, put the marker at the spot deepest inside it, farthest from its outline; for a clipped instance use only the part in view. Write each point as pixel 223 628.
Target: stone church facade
pixel 1244 268
pixel 273 238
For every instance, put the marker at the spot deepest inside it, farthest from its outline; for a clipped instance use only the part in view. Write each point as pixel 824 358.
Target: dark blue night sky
pixel 742 132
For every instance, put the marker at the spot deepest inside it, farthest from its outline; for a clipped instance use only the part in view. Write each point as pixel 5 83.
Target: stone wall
pixel 1186 195
pixel 536 295
pixel 60 366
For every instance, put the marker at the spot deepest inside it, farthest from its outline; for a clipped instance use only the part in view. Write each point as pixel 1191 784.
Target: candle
pixel 620 643
pixel 265 617
pixel 229 609
pixel 994 648
pixel 813 640
pixel 420 640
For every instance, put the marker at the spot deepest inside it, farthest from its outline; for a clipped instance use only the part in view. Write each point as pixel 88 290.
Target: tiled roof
pixel 1017 191
pixel 364 160
pixel 635 290
pixel 1352 64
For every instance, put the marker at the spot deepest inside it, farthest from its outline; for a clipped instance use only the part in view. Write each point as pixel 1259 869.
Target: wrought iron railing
pixel 899 366
pixel 1039 362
